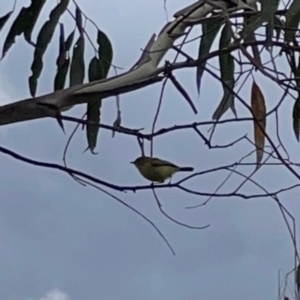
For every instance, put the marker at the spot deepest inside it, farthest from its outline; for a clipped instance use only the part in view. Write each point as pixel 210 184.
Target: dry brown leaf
pixel 259 113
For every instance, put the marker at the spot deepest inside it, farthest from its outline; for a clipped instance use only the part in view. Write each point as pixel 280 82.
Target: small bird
pixel 156 169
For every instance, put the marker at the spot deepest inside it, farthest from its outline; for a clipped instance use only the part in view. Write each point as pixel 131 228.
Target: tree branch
pixel 143 75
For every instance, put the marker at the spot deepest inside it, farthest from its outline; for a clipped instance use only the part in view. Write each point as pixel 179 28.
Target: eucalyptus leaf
pixel 292 21
pixel 77 64
pixel 61 75
pixel 4 19
pixel 78 19
pixel 33 12
pixel 296 117
pixel 16 29
pixel 267 13
pixel 95 72
pixel 105 51
pixel 278 26
pixel 227 74
pixel 24 23
pixel 268 10
pixel 98 69
pixel 44 38
pixel 62 47
pixel 210 30
pixel 69 41
pixel 63 60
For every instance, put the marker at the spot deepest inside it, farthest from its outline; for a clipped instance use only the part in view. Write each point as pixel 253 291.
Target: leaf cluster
pixel 71 56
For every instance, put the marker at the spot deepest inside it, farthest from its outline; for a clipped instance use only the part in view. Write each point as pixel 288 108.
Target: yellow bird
pixel 156 169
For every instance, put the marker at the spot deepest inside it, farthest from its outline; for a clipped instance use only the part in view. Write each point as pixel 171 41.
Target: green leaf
pixel 296 108
pixel 297 278
pixel 62 47
pixel 98 69
pixel 268 10
pixel 16 29
pixel 4 19
pixel 296 117
pixel 33 12
pixel 292 21
pixel 227 74
pixel 78 19
pixel 63 60
pixel 249 28
pixel 252 38
pixel 96 72
pixel 296 72
pixel 44 38
pixel 69 41
pixel 61 75
pixel 23 23
pixel 77 64
pixel 226 102
pixel 278 26
pixel 210 30
pixel 105 51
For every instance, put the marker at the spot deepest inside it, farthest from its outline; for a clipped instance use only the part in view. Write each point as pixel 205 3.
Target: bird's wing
pixel 156 162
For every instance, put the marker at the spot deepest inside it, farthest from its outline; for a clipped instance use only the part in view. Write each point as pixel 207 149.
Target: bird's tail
pixel 187 169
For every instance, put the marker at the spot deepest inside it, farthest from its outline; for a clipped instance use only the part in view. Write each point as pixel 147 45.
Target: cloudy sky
pixel 60 240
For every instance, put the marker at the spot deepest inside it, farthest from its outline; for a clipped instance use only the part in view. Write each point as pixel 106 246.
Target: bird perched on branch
pixel 158 170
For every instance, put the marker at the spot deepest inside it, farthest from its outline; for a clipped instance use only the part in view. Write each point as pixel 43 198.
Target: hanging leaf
pixel 256 54
pixel 77 64
pixel 267 13
pixel 210 30
pixel 98 69
pixel 4 19
pixel 95 71
pixel 268 10
pixel 183 92
pixel 93 109
pixel 292 17
pixel 259 115
pixel 44 37
pixel 61 75
pixel 227 75
pixel 78 19
pixel 23 23
pixel 296 108
pixel 297 280
pixel 62 55
pixel 253 23
pixel 62 60
pixel 16 29
pixel 33 12
pixel 252 38
pixel 296 117
pixel 278 26
pixel 69 41
pixel 105 51
pixel 294 69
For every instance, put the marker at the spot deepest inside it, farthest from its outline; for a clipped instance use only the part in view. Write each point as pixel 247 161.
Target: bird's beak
pixel 132 162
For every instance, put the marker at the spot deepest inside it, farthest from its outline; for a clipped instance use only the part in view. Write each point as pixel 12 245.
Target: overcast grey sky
pixel 60 240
